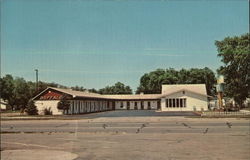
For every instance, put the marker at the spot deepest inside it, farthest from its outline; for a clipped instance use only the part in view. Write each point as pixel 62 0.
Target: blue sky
pixel 97 43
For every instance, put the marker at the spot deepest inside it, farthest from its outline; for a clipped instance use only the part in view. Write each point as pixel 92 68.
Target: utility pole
pixel 36 79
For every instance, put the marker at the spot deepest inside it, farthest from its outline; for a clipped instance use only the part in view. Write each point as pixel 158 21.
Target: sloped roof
pixel 166 90
pixel 96 95
pixel 78 93
pixel 195 88
pixel 133 96
pixel 72 93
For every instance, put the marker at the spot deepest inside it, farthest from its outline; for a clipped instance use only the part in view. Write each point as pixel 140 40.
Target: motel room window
pixel 166 103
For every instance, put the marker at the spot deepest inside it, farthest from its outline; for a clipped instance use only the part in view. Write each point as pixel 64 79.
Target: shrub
pixel 31 108
pixel 47 111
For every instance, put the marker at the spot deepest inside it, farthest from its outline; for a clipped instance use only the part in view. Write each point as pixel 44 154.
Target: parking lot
pixel 138 113
pixel 123 135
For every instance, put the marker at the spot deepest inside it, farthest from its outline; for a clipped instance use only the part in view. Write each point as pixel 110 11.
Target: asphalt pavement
pixel 135 135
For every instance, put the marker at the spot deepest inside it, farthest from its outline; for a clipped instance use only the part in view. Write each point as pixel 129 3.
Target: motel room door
pixel 158 105
pixel 113 105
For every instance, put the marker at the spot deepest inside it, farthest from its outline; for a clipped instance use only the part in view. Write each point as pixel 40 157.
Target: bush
pixel 47 111
pixel 31 108
pixel 63 104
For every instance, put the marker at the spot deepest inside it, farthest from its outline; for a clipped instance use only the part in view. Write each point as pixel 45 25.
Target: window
pixel 177 102
pixel 128 105
pixel 170 102
pixel 149 104
pixel 185 105
pixel 183 92
pixel 136 106
pixel 181 102
pixel 79 106
pixel 121 104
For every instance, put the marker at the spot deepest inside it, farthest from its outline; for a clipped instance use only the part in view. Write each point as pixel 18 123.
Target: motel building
pixel 181 97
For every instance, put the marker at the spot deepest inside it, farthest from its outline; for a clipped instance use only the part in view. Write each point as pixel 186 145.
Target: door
pixel 142 105
pixel 113 105
pixel 158 105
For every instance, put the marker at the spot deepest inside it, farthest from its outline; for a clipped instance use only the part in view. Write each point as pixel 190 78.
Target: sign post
pixel 220 90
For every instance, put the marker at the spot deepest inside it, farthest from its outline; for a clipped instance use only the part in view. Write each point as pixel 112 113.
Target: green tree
pixel 151 83
pixel 63 104
pixel 7 89
pixel 77 88
pixel 118 88
pixel 31 108
pixel 22 93
pixel 93 90
pixel 235 54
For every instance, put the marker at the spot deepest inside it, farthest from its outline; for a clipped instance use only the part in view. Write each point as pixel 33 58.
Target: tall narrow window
pixel 185 102
pixel 181 102
pixel 170 102
pixel 173 102
pixel 166 103
pixel 178 102
pixel 79 105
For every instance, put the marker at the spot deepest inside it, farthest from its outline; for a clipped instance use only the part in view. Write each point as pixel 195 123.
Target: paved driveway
pixel 138 113
pixel 126 138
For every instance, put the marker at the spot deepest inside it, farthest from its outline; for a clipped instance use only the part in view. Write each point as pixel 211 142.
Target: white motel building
pixel 181 97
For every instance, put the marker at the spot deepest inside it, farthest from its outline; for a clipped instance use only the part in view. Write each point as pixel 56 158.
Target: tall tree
pixel 235 54
pixel 7 89
pixel 17 91
pixel 118 88
pixel 22 93
pixel 152 82
pixel 77 88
